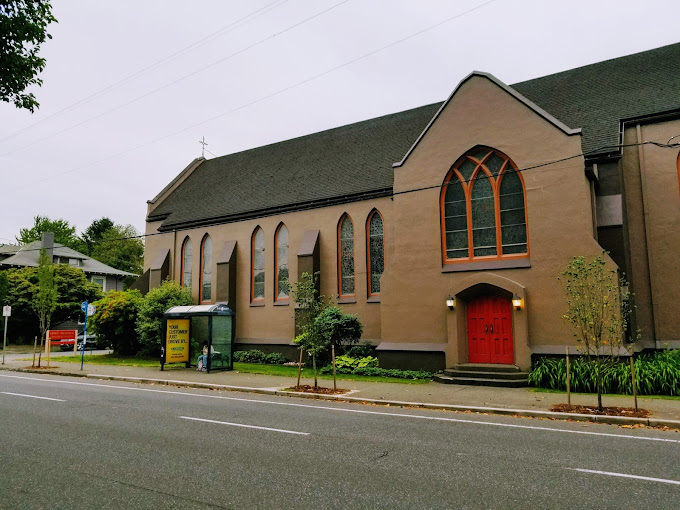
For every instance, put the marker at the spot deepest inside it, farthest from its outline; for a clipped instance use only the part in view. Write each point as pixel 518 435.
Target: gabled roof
pixel 334 166
pixel 354 162
pixel 599 96
pixel 28 255
pixel 519 97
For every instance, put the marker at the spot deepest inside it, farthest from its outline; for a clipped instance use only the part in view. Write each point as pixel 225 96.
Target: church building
pixel 445 228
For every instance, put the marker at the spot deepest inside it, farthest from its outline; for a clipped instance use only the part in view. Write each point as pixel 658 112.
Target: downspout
pixel 174 251
pixel 645 223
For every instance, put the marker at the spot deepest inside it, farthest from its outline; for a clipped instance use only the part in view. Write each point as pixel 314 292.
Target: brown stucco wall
pixel 559 223
pixel 270 324
pixel 652 200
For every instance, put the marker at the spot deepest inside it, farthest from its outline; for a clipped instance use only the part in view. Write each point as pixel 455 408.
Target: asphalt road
pixel 78 443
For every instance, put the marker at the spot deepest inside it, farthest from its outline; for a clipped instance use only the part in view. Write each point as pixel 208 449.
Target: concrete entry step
pixel 481 374
pixel 476 381
pixel 486 367
pixel 475 374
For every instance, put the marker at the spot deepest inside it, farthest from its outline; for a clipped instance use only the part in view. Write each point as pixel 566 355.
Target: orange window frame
pixel 200 279
pixel 253 299
pixel 276 262
pixel 187 239
pixel 369 273
pixel 467 191
pixel 339 238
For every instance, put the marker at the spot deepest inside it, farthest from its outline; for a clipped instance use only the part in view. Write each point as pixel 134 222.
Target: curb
pixel 526 413
pixel 612 420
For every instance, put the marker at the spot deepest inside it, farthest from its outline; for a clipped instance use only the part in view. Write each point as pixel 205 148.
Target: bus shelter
pixel 201 334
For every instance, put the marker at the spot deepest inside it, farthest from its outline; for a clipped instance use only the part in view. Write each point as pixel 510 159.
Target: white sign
pixel 90 310
pixel 6 311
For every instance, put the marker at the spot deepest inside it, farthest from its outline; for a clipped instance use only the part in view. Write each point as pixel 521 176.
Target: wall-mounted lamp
pixel 450 302
pixel 517 302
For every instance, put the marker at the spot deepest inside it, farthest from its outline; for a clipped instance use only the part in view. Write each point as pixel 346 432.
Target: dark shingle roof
pixel 349 161
pixel 28 255
pixel 598 96
pixel 355 161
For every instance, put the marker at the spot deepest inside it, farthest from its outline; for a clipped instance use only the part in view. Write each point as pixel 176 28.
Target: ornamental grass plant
pixel 656 373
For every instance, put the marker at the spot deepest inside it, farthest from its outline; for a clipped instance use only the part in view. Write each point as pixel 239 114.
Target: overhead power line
pixel 201 42
pixel 264 98
pixel 174 82
pixel 666 145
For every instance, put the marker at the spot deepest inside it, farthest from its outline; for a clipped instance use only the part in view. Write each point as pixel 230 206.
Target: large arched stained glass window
pixel 281 263
pixel 206 269
pixel 483 210
pixel 257 258
pixel 187 258
pixel 345 256
pixel 376 251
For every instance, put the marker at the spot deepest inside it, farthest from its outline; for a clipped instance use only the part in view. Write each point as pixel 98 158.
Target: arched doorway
pixel 489 330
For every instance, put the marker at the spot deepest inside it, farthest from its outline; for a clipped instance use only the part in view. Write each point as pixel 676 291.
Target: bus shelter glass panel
pixel 222 330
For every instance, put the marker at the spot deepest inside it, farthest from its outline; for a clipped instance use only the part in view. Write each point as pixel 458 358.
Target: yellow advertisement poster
pixel 177 341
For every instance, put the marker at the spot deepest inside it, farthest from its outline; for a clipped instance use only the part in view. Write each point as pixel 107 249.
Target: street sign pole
pixel 82 356
pixel 4 342
pixel 6 312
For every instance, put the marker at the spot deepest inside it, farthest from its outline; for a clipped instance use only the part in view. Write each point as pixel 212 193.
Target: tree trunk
pixel 316 384
pixel 299 369
pixel 335 384
pixel 598 382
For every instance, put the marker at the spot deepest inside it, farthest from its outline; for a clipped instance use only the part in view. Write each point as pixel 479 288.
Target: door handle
pixel 486 328
pixel 492 328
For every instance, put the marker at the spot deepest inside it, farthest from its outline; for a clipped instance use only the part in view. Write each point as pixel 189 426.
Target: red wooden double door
pixel 489 325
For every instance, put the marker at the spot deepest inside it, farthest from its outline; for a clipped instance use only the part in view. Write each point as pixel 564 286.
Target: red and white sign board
pixel 62 336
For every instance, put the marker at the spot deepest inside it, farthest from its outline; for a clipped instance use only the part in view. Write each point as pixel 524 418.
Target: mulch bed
pixel 608 411
pixel 306 388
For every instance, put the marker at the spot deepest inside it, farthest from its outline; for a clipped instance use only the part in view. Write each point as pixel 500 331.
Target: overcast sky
pixel 131 86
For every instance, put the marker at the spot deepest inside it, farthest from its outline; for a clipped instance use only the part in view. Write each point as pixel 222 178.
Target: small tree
pixel 45 298
pixel 151 310
pixel 116 318
pixel 597 310
pixel 337 329
pixel 308 305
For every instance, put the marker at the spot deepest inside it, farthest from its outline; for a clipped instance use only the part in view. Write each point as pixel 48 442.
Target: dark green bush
pixel 656 374
pixel 115 320
pixel 379 372
pixel 360 351
pixel 151 312
pixel 257 356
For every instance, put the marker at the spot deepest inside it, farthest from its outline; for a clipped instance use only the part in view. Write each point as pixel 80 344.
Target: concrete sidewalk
pixel 515 401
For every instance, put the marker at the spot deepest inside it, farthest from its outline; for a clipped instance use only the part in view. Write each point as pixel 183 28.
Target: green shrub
pixel 115 320
pixel 352 363
pixel 257 356
pixel 373 370
pixel 150 317
pixel 656 374
pixel 360 351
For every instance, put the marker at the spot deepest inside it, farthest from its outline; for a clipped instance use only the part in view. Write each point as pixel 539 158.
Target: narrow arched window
pixel 346 256
pixel 375 251
pixel 206 269
pixel 483 209
pixel 187 257
pixel 257 268
pixel 281 263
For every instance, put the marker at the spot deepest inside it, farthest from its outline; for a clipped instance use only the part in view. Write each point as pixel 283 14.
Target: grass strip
pixel 244 368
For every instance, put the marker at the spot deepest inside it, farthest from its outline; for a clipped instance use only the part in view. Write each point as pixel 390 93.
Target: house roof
pixel 354 162
pixel 29 255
